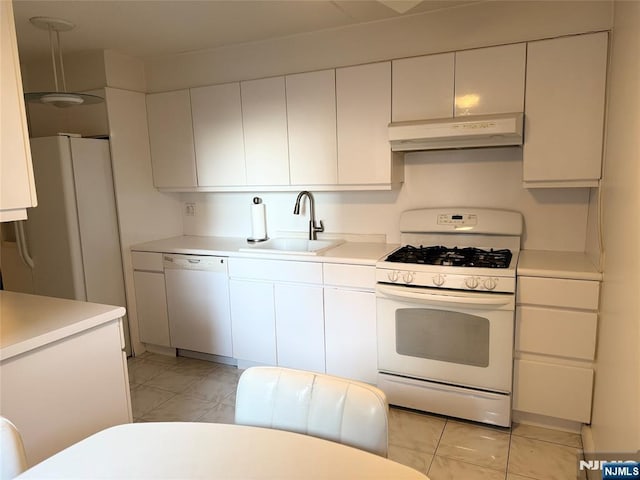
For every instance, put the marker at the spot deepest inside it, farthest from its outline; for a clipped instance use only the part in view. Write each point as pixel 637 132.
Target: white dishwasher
pixel 198 303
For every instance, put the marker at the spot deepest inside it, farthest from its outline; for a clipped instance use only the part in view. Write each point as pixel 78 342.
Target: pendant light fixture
pixel 60 97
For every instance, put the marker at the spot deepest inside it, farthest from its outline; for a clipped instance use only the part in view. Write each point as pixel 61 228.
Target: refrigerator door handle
pixel 22 244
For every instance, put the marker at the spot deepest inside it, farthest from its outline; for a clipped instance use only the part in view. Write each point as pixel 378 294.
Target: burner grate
pixel 455 257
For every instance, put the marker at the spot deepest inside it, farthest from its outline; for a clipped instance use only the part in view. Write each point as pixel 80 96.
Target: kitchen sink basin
pixel 292 246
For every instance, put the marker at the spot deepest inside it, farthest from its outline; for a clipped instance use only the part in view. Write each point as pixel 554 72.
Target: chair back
pixel 333 408
pixel 12 457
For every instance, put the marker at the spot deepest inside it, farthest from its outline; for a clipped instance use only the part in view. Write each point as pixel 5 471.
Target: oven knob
pixel 408 277
pixel 438 280
pixel 393 276
pixel 471 282
pixel 490 283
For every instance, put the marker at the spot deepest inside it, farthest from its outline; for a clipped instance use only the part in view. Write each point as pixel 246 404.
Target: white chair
pixel 324 406
pixel 12 458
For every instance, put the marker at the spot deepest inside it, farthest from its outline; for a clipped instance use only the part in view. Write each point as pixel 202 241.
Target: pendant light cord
pixel 53 57
pixel 64 82
pixel 58 44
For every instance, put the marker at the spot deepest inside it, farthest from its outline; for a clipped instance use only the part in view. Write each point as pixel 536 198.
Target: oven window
pixel 443 335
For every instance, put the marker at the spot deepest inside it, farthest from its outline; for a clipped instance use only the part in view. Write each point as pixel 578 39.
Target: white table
pixel 213 451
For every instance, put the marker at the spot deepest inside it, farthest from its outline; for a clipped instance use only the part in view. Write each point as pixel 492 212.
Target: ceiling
pixel 147 28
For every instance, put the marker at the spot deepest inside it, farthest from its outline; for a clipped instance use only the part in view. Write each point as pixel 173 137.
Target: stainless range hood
pixel 460 132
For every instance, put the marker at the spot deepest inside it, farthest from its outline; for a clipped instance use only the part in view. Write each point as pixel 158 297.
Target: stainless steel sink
pixel 292 246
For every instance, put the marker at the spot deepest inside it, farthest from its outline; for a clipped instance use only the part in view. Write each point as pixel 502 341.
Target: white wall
pixel 143 213
pixel 555 219
pixel 476 25
pixel 616 407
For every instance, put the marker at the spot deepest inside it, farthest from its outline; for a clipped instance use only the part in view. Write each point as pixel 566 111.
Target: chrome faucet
pixel 313 227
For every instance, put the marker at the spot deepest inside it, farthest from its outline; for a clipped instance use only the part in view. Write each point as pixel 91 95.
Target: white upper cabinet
pixel 490 80
pixel 423 87
pixel 564 114
pixel 311 111
pixel 471 82
pixel 218 136
pixel 171 139
pixel 363 95
pixel 17 187
pixel 264 114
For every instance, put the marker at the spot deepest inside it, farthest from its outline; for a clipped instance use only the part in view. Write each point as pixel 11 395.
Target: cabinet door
pixel 350 329
pixel 199 315
pixel 300 327
pixel 552 390
pixel 422 87
pixel 559 332
pixel 218 137
pixel 558 292
pixel 363 95
pixel 171 139
pixel 151 307
pixel 490 80
pixel 253 321
pixel 264 114
pixel 565 110
pixel 17 187
pixel 311 114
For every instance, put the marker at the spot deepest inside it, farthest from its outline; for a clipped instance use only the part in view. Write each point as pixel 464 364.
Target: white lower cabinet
pixel 277 312
pixel 350 334
pixel 350 321
pixel 64 391
pixel 311 316
pixel 300 326
pixel 553 390
pixel 253 320
pixel 151 298
pixel 151 303
pixel 556 321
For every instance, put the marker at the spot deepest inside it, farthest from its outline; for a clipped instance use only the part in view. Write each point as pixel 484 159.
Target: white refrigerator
pixel 69 246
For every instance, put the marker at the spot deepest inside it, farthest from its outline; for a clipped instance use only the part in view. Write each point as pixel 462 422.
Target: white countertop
pixel 552 264
pixel 360 253
pixel 28 322
pixel 214 451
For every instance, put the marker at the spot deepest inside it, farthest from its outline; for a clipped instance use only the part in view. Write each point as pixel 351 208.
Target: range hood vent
pixel 461 132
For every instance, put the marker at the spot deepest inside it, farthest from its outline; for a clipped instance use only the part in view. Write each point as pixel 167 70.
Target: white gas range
pixel 446 313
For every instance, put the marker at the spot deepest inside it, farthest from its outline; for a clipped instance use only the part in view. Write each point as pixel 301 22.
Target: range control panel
pixel 458 219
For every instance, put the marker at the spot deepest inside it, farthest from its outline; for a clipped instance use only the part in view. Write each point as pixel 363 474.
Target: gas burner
pixel 455 257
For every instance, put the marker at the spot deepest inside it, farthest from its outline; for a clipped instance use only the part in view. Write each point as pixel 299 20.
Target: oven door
pixel 454 337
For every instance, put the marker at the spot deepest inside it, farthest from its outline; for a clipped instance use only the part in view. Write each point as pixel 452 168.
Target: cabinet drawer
pixel 553 390
pixel 563 333
pixel 275 270
pixel 356 276
pixel 149 261
pixel 558 292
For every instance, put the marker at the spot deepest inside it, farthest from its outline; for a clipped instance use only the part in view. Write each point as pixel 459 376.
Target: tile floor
pixel 184 389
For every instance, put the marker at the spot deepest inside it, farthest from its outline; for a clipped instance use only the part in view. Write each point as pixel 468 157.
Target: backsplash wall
pixel 554 219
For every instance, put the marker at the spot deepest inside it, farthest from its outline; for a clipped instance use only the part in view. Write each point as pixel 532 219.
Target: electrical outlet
pixel 190 209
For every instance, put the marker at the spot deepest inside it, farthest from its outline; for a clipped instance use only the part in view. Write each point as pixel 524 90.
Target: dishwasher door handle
pixel 209 263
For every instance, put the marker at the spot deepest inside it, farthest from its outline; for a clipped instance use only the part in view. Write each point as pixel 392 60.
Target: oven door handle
pixel 490 299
